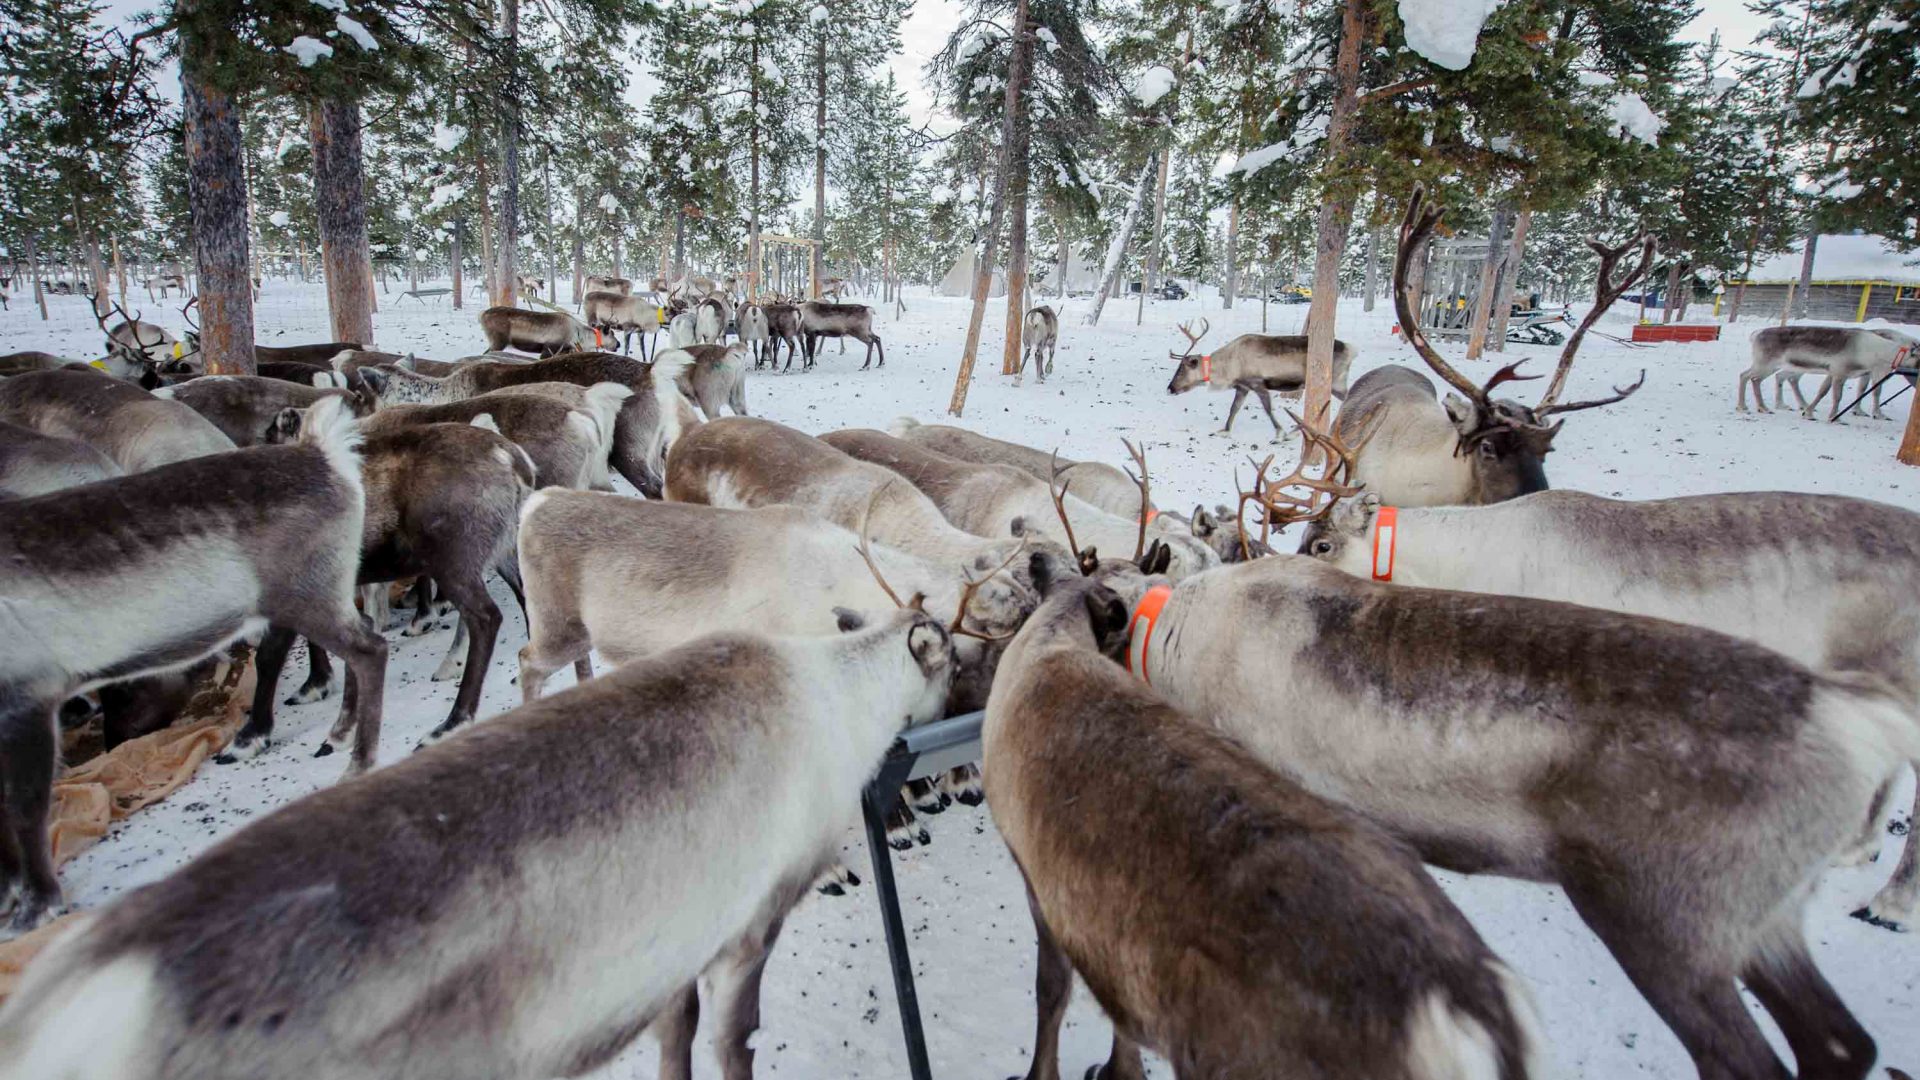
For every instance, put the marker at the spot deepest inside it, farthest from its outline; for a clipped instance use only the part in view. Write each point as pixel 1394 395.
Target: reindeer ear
pixel 848 620
pixel 1107 614
pixel 373 379
pixel 1019 526
pixel 1040 569
pixel 1090 560
pixel 930 645
pixel 1461 411
pixel 1203 523
pixel 1158 557
pixel 285 427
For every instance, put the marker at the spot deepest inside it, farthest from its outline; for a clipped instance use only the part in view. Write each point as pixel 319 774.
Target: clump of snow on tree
pixel 442 196
pixel 1308 134
pixel 280 218
pixel 331 5
pixel 1446 31
pixel 1045 37
pixel 309 51
pixel 448 136
pixel 288 144
pixel 818 15
pixel 1632 118
pixel 357 32
pixel 608 203
pixel 1154 83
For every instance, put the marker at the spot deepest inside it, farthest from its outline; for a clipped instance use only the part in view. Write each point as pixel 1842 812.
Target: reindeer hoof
pixel 900 843
pixel 1867 916
pixel 853 879
pixel 243 748
pixel 832 888
pixel 307 695
pixel 925 837
pixel 972 796
pixel 326 750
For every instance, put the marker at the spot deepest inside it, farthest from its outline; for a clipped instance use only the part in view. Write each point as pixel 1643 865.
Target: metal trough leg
pixel 874 804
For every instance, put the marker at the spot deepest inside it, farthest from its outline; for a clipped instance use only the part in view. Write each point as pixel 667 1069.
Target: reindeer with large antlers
pixel 1257 364
pixel 1472 448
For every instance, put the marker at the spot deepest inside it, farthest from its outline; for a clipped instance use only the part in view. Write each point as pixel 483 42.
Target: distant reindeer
pixel 541 332
pixel 1042 334
pixel 1839 353
pixel 618 313
pixel 819 320
pixel 1471 449
pixel 754 332
pixel 133 340
pixel 598 283
pixel 1256 364
pixel 711 317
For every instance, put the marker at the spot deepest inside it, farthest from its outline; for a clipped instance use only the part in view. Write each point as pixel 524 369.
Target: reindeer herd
pixel 1218 767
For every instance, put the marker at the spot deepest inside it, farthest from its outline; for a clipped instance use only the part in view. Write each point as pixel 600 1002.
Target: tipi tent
pixel 959 279
pixel 1083 277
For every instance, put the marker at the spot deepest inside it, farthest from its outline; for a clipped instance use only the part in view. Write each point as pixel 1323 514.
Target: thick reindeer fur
pixel 541 332
pixel 631 578
pixel 754 331
pixel 710 318
pixel 745 462
pixel 527 926
pixel 1090 481
pixel 619 313
pixel 35 464
pixel 1224 916
pixel 134 428
pixel 1414 456
pixel 442 500
pixel 715 376
pixel 1839 353
pixel 1684 787
pixel 819 320
pixel 320 354
pixel 649 422
pixel 1258 364
pixel 149 573
pixel 565 444
pixel 244 406
pixel 994 500
pixel 1040 331
pixel 1833 582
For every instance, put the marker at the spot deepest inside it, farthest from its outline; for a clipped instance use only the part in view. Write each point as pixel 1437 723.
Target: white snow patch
pixel 309 51
pixel 1446 32
pixel 448 136
pixel 1154 83
pixel 357 32
pixel 1632 118
pixel 331 5
pixel 280 218
pixel 609 204
pixel 288 144
pixel 818 15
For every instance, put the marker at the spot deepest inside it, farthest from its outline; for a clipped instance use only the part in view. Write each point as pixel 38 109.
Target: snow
pixel 1842 257
pixel 828 1005
pixel 1153 84
pixel 280 218
pixel 768 69
pixel 357 32
pixel 288 144
pixel 1633 118
pixel 447 136
pixel 1309 133
pixel 443 195
pixel 309 50
pixel 331 5
pixel 1446 32
pixel 609 203
pixel 818 15
pixel 1045 37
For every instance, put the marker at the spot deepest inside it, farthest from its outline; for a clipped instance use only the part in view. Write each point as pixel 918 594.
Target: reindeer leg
pixel 1052 989
pixel 869 363
pixel 1825 1038
pixel 1826 384
pixel 552 643
pixel 736 995
pixel 1266 402
pixel 481 617
pixel 881 348
pixel 1894 905
pixel 268 660
pixel 1123 1062
pixel 365 654
pixel 1740 393
pixel 675 1027
pixel 319 678
pixel 1239 396
pixel 29 754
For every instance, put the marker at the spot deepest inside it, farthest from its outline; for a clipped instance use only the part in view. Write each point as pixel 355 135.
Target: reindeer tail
pixel 899 428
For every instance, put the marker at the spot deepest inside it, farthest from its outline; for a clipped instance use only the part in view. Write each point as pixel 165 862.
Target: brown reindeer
pixel 542 332
pixel 821 320
pixel 1256 364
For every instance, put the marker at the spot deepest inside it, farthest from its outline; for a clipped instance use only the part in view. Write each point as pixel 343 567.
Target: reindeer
pixel 530 285
pixel 714 376
pixel 820 320
pixel 995 500
pixel 625 315
pixel 783 325
pixel 1838 353
pixel 1548 741
pixel 683 330
pixel 1827 580
pixel 1042 333
pixel 243 407
pixel 136 343
pixel 1365 970
pixel 529 926
pixel 648 423
pixel 35 464
pixel 1095 482
pixel 441 502
pixel 542 332
pixel 598 283
pixel 149 573
pixel 754 332
pixel 710 319
pixel 567 444
pixel 1253 364
pixel 137 430
pixel 319 354
pixel 1472 449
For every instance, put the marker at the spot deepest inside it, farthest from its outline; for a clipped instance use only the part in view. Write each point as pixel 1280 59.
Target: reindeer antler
pixel 1323 491
pixel 865 549
pixel 1619 394
pixel 186 312
pixel 966 597
pixel 1146 495
pixel 1193 339
pixel 1058 489
pixel 1606 291
pixel 1415 228
pixel 1256 495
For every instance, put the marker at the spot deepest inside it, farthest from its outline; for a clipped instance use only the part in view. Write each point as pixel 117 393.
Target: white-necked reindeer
pixel 529 926
pixel 1472 448
pixel 1041 332
pixel 1837 353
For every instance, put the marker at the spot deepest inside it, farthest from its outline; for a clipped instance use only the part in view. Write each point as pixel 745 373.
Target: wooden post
pixel 1786 309
pixel 1910 439
pixel 1865 292
pixel 454 258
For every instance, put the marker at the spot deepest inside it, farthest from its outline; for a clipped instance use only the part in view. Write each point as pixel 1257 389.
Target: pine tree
pixel 1858 98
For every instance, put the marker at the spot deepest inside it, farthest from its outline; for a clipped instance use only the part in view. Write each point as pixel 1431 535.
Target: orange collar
pixel 1152 512
pixel 1386 540
pixel 1206 368
pixel 1141 629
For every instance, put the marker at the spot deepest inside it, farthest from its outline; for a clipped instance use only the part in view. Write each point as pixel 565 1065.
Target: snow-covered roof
pixel 1842 258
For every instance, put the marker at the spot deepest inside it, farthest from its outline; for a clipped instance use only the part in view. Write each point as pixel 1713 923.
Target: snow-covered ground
pixel 828 995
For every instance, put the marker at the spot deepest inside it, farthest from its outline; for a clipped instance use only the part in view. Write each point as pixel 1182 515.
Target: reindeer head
pixel 1192 369
pixel 1507 441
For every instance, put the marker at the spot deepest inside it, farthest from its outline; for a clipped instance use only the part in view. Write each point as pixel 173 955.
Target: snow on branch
pixel 309 51
pixel 1446 32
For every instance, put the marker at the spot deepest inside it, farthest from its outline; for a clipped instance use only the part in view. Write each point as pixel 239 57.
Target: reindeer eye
pixel 1322 547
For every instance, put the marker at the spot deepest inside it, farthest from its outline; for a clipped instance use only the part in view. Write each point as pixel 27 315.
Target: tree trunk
pixel 983 264
pixel 1740 290
pixel 454 258
pixel 1117 250
pixel 1336 216
pixel 1806 273
pixel 553 258
pixel 1683 291
pixel 1149 280
pixel 119 272
pixel 1909 453
pixel 217 200
pixel 1509 273
pixel 753 171
pixel 1666 293
pixel 1230 293
pixel 33 269
pixel 1372 275
pixel 1065 258
pixel 1489 281
pixel 1016 181
pixel 579 251
pixel 820 191
pixel 506 284
pixel 339 200
pixel 618 271
pixel 486 219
